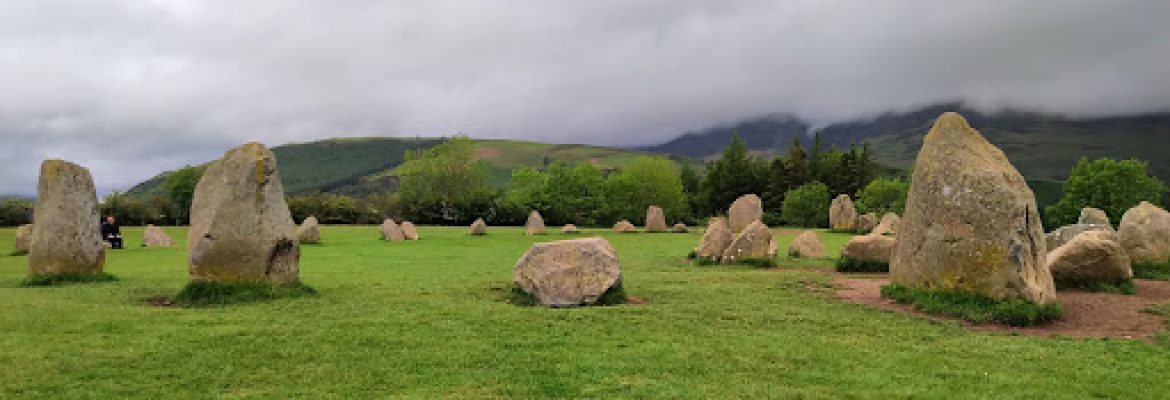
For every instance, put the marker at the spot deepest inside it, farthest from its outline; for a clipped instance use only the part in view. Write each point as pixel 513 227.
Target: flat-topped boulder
pixel 1062 235
pixel 869 248
pixel 971 223
pixel 715 240
pixel 1090 257
pixel 655 219
pixel 65 238
pixel 806 244
pixel 568 273
pixel 679 228
pixel 241 229
pixel 1093 216
pixel 154 236
pixel 569 228
pixel 309 231
pixel 23 239
pixel 409 231
pixel 391 231
pixel 754 242
pixel 624 226
pixel 743 211
pixel 534 225
pixel 478 227
pixel 842 214
pixel 1145 234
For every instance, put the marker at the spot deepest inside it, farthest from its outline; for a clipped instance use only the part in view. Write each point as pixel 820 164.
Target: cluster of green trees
pixel 15 211
pixel 1110 185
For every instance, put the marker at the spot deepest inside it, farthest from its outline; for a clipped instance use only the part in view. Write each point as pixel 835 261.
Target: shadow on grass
pixel 849 265
pixel 66 279
pixel 211 294
pixel 973 307
pixel 516 296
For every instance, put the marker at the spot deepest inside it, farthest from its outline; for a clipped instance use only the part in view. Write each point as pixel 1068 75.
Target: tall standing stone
pixel 534 225
pixel 23 239
pixel 66 236
pixel 971 222
pixel 391 231
pixel 1145 234
pixel 715 240
pixel 154 236
pixel 241 229
pixel 655 219
pixel 743 211
pixel 842 214
pixel 309 231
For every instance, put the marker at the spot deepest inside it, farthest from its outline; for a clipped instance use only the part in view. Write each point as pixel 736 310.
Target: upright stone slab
pixel 1145 234
pixel 241 229
pixel 409 231
pixel 154 236
pixel 478 228
pixel 888 224
pixel 655 219
pixel 807 244
pixel 534 225
pixel 391 231
pixel 745 210
pixel 971 222
pixel 754 242
pixel 568 273
pixel 66 236
pixel 1093 216
pixel 842 214
pixel 624 226
pixel 23 239
pixel 309 231
pixel 715 240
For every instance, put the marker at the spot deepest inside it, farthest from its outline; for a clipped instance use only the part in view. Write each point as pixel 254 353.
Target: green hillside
pixel 359 166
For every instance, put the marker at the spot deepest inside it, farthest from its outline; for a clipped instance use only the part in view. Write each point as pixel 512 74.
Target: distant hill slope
pixel 359 166
pixel 1042 146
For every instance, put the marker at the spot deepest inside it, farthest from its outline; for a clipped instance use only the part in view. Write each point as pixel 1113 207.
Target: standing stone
pixel 241 229
pixel 679 228
pixel 309 231
pixel 971 222
pixel 569 228
pixel 807 244
pixel 568 273
pixel 888 224
pixel 869 248
pixel 866 223
pixel 745 210
pixel 154 236
pixel 391 231
pixel 65 237
pixel 655 219
pixel 842 214
pixel 715 240
pixel 754 242
pixel 624 226
pixel 1090 257
pixel 478 227
pixel 534 225
pixel 1064 234
pixel 1093 216
pixel 23 239
pixel 409 232
pixel 1145 234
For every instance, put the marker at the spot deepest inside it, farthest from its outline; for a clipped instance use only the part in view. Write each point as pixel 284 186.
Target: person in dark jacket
pixel 111 233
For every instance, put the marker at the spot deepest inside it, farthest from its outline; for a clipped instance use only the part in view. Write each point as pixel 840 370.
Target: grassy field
pixel 426 320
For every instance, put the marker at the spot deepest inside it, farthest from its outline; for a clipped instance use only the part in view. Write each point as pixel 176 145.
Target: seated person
pixel 111 233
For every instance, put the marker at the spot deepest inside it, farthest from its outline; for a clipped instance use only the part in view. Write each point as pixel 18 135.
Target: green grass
pixel 66 278
pixel 1152 271
pixel 972 307
pixel 849 265
pixel 427 319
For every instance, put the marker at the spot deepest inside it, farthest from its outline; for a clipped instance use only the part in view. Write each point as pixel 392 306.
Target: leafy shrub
pixel 66 278
pixel 973 307
pixel 882 196
pixel 202 294
pixel 807 205
pixel 1152 271
pixel 1111 185
pixel 845 265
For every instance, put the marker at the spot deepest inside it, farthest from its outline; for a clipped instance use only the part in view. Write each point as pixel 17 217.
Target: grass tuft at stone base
pixel 65 279
pixel 614 296
pixel 206 294
pixel 973 307
pixel 1152 271
pixel 849 265
pixel 1125 287
pixel 751 262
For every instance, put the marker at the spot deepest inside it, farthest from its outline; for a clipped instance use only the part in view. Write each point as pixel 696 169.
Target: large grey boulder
pixel 1093 216
pixel 971 223
pixel 478 228
pixel 534 225
pixel 869 248
pixel 754 242
pixel 23 240
pixel 309 231
pixel 655 219
pixel 569 228
pixel 154 236
pixel 679 228
pixel 842 214
pixel 624 226
pixel 66 236
pixel 1090 257
pixel 715 240
pixel 743 211
pixel 1145 234
pixel 391 231
pixel 807 244
pixel 1062 235
pixel 409 231
pixel 241 229
pixel 568 273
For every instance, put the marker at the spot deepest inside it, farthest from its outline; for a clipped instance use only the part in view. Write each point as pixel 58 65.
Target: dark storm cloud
pixel 130 88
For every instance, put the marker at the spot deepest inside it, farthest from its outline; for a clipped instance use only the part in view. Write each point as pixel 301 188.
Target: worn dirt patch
pixel 1086 314
pixel 487 152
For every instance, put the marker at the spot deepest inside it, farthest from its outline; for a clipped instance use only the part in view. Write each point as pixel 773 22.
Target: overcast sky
pixel 132 88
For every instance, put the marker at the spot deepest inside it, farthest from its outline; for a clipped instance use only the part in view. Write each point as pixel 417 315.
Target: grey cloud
pixel 130 88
